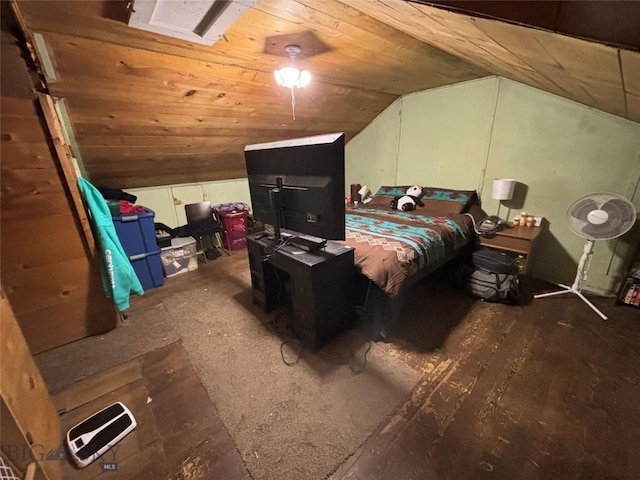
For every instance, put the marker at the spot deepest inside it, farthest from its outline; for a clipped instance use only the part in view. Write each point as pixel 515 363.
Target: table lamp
pixel 502 190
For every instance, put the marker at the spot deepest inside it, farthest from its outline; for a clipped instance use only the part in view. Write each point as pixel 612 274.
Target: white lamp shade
pixel 292 77
pixel 503 188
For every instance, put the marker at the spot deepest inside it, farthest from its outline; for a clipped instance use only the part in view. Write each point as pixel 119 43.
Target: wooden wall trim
pixel 66 162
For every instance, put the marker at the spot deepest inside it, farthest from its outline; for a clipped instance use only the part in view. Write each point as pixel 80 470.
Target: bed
pixel 395 249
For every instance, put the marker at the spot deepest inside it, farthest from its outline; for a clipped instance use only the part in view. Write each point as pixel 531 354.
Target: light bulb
pixel 305 78
pixel 292 77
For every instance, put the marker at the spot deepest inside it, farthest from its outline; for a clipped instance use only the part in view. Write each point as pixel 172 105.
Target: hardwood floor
pixel 545 390
pixel 179 435
pixel 538 391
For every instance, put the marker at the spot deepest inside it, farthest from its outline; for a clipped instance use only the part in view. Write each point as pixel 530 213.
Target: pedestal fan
pixel 597 216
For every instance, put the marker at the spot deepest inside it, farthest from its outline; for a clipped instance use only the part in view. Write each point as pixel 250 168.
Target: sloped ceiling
pixel 600 76
pixel 151 110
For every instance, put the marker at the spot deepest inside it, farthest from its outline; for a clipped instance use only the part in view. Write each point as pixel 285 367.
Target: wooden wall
pixel 48 274
pixel 30 426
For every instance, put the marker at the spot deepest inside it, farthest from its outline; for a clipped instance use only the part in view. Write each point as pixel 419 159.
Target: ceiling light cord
pixel 293 104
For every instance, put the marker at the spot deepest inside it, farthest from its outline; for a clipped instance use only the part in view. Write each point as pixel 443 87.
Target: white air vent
pixel 200 21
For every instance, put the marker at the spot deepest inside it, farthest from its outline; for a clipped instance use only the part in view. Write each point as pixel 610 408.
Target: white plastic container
pixel 180 257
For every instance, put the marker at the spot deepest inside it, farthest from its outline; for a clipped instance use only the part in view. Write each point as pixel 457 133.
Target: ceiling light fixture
pixel 291 77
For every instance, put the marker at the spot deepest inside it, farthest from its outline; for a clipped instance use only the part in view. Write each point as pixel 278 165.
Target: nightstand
pixel 519 240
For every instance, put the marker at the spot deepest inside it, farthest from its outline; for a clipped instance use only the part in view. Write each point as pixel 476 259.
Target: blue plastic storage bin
pixel 136 232
pixel 148 268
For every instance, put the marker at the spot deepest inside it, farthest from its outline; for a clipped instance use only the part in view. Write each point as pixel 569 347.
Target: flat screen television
pixel 298 185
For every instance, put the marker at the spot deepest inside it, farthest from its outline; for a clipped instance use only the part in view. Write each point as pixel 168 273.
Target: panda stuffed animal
pixel 409 201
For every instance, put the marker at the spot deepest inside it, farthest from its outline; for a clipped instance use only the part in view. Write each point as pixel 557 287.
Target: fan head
pixel 601 216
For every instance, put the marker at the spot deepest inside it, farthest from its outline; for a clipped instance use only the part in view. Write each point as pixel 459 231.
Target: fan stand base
pixel 580 275
pixel 568 289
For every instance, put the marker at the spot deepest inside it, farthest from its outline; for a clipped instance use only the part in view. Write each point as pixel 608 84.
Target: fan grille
pixel 601 216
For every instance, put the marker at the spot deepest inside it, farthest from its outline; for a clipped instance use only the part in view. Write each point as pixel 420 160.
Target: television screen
pixel 308 176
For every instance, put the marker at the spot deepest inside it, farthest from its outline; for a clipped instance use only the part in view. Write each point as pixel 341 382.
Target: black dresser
pixel 317 287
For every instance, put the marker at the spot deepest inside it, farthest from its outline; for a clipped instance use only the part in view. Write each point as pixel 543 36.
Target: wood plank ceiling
pixel 600 76
pixel 151 110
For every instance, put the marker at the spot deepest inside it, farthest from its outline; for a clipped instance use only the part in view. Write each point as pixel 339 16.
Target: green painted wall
pixel 463 136
pixel 445 135
pixel 160 201
pixel 168 201
pixel 371 157
pixel 561 151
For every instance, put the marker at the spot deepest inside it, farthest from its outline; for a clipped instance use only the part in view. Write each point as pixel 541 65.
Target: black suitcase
pixel 496 261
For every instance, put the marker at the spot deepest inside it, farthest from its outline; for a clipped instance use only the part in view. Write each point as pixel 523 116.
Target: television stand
pixel 316 285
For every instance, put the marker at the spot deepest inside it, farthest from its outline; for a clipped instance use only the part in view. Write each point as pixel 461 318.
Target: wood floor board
pixel 478 433
pixel 593 403
pixel 97 385
pixel 178 436
pixel 148 464
pixel 420 434
pixel 618 361
pixel 134 395
pixel 448 435
pixel 567 418
pixel 511 414
pixel 125 392
pixel 542 390
pixel 195 440
pixel 526 407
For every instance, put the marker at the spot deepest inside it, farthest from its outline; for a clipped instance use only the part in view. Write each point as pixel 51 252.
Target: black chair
pixel 204 223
